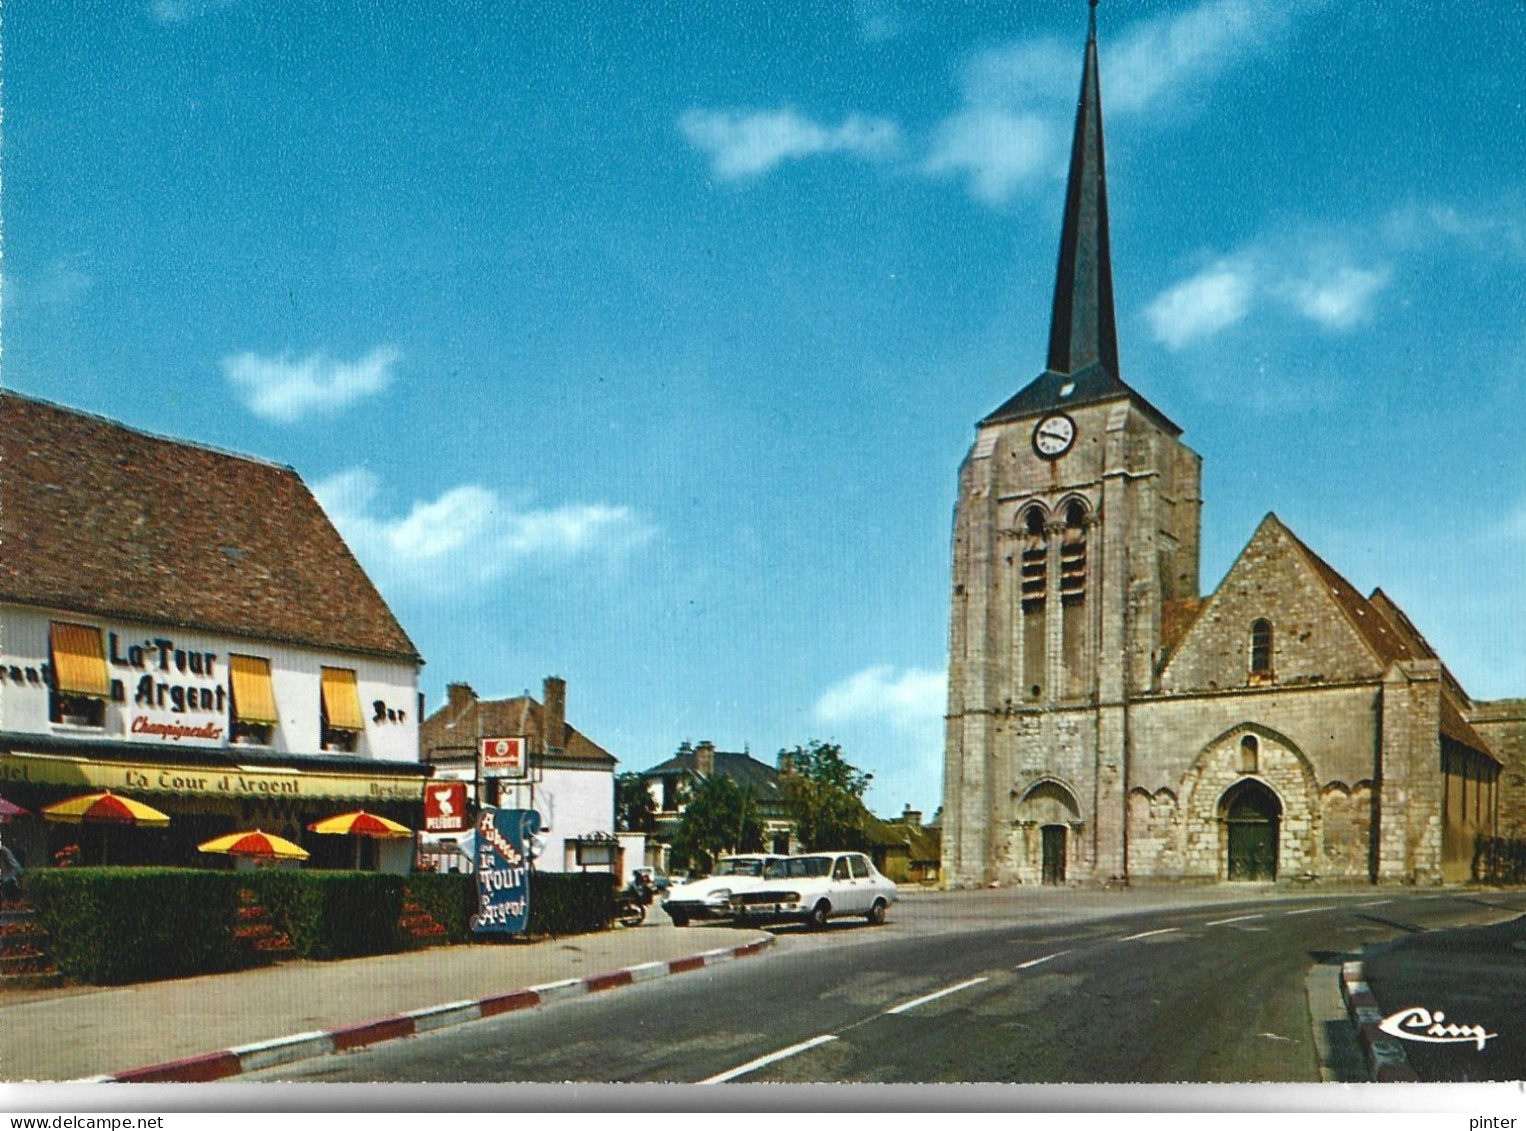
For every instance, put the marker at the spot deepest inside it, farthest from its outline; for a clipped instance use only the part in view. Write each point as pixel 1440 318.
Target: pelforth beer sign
pixel 445 807
pixel 502 757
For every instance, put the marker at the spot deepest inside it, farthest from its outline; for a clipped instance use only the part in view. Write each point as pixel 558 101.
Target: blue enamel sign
pixel 503 869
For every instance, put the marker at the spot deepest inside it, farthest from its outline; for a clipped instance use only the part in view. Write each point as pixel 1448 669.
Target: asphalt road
pixel 1203 986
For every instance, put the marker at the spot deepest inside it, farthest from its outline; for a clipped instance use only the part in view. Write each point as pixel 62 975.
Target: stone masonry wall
pixel 1502 724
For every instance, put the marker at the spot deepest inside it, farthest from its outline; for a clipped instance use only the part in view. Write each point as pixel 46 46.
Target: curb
pixel 1387 1061
pixel 302 1046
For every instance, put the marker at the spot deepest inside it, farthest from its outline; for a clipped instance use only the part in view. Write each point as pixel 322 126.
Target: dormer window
pixel 1261 649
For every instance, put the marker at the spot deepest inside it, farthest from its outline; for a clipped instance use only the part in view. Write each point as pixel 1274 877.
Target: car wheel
pixel 679 918
pixel 817 919
pixel 877 912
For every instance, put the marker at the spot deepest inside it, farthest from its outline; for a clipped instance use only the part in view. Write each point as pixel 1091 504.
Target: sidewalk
pixel 82 1032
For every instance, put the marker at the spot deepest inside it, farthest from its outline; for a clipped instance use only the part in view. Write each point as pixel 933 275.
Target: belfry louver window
pixel 1073 556
pixel 1035 561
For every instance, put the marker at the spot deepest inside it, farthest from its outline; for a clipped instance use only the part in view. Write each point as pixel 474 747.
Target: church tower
pixel 1077 521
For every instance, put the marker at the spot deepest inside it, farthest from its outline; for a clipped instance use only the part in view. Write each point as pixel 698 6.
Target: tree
pixel 720 816
pixel 635 807
pixel 825 793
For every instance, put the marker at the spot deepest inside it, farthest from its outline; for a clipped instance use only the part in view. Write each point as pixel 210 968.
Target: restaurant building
pixel 185 626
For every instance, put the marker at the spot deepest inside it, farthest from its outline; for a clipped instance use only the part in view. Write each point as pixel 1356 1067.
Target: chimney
pixel 912 817
pixel 461 696
pixel 786 762
pixel 704 759
pixel 554 694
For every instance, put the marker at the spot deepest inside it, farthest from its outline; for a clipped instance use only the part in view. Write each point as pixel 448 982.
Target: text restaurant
pixel 188 647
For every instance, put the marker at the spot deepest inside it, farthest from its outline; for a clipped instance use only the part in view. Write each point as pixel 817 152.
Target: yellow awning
pixel 341 699
pixel 79 660
pixel 254 696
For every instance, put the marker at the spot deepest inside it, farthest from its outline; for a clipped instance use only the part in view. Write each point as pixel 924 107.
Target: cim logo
pixel 445 807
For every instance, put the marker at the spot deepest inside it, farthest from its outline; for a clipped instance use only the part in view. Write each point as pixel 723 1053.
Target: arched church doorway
pixel 1252 820
pixel 1054 853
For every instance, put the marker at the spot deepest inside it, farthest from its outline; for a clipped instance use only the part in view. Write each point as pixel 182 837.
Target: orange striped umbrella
pixel 359 824
pixel 108 809
pixel 105 807
pixel 256 843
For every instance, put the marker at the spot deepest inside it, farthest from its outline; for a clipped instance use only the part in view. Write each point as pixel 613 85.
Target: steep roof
pixel 101 519
pixel 743 769
pixel 1083 336
pixel 452 734
pixel 1391 636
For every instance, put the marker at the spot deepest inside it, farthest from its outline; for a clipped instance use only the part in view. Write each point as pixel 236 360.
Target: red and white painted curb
pixel 1387 1061
pixel 302 1046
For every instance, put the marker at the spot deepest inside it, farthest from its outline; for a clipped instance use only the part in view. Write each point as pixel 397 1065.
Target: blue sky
pixel 640 344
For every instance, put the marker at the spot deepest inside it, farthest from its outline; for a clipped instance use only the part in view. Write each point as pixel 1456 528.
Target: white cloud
pixel 1312 277
pixel 283 390
pixel 909 701
pixel 878 20
pixel 1339 298
pixel 998 151
pixel 745 143
pixel 469 535
pixel 1019 99
pixel 1215 298
pixel 181 11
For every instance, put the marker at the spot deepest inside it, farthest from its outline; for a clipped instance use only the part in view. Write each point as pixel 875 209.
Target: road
pixel 1203 986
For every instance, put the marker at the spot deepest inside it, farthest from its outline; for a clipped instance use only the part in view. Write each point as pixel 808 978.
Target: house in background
pixel 904 849
pixel 667 782
pixel 570 779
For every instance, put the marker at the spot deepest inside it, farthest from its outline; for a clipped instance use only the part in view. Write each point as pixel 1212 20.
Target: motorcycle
pixel 632 901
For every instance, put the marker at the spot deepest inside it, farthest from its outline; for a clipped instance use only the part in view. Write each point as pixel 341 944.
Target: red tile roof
pixel 452 734
pixel 103 520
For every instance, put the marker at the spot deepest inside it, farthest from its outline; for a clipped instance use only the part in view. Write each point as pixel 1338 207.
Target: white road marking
pixel 1236 919
pixel 1306 910
pixel 1036 961
pixel 764 1061
pixel 904 1006
pixel 1147 934
pixel 1375 903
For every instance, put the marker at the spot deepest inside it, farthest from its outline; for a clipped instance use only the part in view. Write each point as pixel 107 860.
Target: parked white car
pixel 814 888
pixel 710 897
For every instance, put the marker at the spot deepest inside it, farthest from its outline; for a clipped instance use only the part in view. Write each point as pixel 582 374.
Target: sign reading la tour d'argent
pixel 503 870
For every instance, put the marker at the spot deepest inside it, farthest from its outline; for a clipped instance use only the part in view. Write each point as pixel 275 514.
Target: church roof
pixel 1391 635
pixel 1083 334
pixel 106 521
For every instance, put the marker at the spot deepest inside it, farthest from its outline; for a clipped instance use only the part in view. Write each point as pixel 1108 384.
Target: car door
pixel 863 883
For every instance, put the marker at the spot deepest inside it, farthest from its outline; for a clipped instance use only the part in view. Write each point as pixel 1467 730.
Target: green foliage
pixel 635 807
pixel 110 926
pixel 570 903
pixel 824 793
pixel 331 915
pixel 449 899
pixel 720 816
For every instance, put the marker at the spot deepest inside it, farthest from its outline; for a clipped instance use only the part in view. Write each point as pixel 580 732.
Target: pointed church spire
pixel 1082 331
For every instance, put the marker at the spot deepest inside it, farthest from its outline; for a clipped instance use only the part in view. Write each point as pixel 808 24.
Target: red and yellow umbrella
pixel 359 824
pixel 256 843
pixel 105 808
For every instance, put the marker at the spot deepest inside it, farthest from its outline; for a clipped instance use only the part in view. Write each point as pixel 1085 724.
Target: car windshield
pixel 804 866
pixel 739 868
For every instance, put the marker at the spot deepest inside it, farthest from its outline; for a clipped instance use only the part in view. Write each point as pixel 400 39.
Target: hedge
pixel 570 903
pixel 333 914
pixel 109 926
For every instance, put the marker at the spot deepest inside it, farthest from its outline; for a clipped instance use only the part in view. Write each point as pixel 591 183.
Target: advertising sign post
pixel 503 870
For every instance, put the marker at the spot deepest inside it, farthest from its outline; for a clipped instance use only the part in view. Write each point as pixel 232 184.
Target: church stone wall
pixel 1312 641
pixel 1502 724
